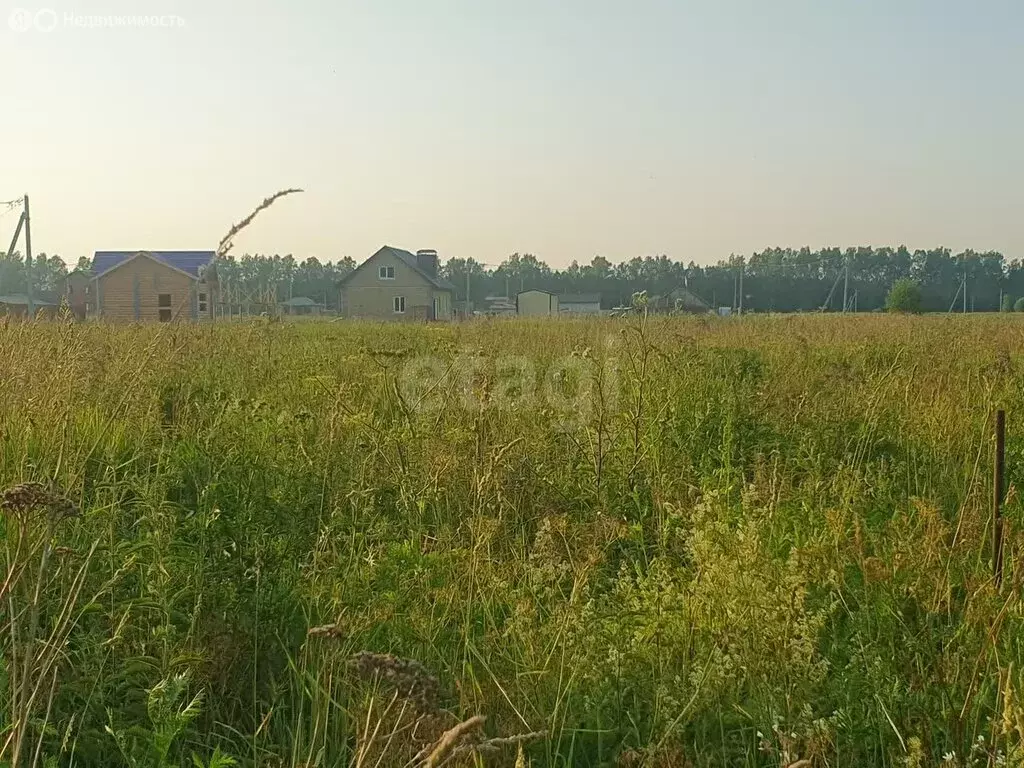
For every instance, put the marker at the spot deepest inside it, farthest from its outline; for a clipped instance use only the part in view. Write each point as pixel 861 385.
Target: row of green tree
pixel 48 273
pixel 776 279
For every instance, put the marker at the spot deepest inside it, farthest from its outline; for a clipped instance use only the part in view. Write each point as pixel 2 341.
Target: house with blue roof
pixel 153 286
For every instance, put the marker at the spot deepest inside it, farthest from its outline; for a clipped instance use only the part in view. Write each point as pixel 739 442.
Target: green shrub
pixel 904 296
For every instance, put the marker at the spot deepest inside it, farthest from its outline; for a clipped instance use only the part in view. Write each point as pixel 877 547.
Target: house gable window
pixel 164 305
pixel 202 302
pixel 386 273
pixel 400 305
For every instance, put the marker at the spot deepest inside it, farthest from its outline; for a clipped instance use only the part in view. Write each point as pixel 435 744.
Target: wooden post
pixel 998 483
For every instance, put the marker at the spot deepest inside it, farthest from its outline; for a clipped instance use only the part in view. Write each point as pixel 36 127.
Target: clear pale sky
pixel 479 128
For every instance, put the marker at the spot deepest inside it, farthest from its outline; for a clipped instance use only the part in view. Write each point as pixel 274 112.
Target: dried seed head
pixel 451 738
pixel 408 677
pixel 327 630
pixel 484 746
pixel 25 498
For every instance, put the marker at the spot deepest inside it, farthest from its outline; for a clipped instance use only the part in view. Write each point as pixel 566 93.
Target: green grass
pixel 755 541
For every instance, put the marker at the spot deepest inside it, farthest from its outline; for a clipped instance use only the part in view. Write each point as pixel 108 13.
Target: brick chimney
pixel 426 259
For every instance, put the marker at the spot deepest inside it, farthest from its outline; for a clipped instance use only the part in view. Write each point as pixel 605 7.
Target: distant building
pixel 535 302
pixel 153 286
pixel 16 305
pixel 499 305
pixel 681 299
pixel 76 289
pixel 580 303
pixel 302 305
pixel 397 285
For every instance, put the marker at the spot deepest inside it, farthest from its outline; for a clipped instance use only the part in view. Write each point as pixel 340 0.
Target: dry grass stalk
pixel 34 646
pixel 35 653
pixel 443 748
pixel 226 243
pixel 501 742
pixel 385 732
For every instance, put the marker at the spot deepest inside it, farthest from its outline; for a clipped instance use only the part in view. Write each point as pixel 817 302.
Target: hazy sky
pixel 566 128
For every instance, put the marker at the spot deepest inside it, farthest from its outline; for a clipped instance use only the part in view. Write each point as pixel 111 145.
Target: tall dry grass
pixel 755 542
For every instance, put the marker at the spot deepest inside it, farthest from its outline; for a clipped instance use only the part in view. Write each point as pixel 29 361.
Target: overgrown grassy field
pixel 710 542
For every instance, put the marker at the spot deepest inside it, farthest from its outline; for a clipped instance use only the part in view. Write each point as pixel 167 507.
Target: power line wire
pixel 818 263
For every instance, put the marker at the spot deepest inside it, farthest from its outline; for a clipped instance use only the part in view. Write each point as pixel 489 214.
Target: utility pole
pixel 956 297
pixel 742 268
pixel 17 234
pixel 735 292
pixel 28 259
pixel 846 281
pixel 965 288
pixel 467 289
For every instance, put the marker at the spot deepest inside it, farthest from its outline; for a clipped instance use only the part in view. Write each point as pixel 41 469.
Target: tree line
pixel 775 279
